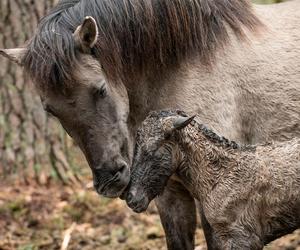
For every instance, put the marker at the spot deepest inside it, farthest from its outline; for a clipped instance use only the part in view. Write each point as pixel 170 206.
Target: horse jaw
pixel 14 55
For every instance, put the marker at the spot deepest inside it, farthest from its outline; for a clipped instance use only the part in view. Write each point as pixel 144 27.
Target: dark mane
pixel 136 37
pixel 215 138
pixel 207 132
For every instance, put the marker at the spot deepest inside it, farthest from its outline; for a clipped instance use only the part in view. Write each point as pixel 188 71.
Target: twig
pixel 67 236
pixel 89 185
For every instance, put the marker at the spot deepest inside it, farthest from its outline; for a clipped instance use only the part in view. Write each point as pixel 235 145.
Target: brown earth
pixel 39 217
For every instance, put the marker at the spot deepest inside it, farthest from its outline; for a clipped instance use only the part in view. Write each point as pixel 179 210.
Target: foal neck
pixel 206 158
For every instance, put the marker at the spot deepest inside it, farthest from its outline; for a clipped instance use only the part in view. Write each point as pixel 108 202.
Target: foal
pixel 249 195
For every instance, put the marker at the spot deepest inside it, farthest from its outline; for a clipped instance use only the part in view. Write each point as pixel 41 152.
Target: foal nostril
pixel 129 197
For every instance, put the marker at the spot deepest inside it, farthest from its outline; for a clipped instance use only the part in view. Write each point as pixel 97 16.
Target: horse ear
pixel 182 122
pixel 86 34
pixel 14 55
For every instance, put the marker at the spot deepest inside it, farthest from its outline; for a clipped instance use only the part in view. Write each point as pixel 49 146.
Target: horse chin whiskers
pixel 112 194
pixel 110 188
pixel 104 186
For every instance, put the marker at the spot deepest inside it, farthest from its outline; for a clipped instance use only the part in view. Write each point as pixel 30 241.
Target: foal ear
pixel 182 122
pixel 86 34
pixel 14 55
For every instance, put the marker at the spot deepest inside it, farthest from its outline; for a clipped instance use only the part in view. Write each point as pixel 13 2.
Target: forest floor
pixel 59 217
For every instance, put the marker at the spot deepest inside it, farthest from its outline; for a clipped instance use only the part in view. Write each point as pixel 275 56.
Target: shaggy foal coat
pixel 249 195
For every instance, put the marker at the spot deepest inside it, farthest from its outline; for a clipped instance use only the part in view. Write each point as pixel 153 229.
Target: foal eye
pixel 167 136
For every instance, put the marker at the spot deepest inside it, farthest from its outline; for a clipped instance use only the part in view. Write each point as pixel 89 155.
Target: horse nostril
pixel 122 168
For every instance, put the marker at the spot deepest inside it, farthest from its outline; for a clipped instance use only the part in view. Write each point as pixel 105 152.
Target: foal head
pixel 156 157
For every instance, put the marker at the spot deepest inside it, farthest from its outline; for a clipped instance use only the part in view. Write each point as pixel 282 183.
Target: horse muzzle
pixel 112 181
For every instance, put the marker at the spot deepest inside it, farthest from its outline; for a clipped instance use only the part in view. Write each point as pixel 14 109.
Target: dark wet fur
pixel 248 196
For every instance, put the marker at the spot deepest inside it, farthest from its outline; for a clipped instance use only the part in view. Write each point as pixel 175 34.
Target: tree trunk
pixel 31 144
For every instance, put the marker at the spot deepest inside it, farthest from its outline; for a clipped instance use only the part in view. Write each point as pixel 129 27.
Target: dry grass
pixel 35 217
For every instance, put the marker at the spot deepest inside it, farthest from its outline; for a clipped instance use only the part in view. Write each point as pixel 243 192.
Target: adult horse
pixel 100 66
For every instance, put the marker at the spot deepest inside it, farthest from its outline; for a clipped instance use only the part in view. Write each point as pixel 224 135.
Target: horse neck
pixel 145 95
pixel 189 87
pixel 204 161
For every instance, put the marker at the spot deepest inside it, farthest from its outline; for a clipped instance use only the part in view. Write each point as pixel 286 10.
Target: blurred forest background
pixel 46 199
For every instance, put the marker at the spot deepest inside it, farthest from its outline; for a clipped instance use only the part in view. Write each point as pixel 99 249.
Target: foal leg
pixel 208 231
pixel 178 216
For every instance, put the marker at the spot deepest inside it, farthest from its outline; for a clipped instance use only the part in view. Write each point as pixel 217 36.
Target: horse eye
pixel 72 103
pixel 49 110
pixel 100 92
